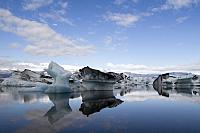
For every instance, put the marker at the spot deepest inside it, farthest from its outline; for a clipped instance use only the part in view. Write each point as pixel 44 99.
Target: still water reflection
pixel 136 109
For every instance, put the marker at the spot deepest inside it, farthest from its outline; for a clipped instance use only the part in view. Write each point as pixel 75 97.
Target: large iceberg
pixel 59 74
pixel 89 74
pixel 61 79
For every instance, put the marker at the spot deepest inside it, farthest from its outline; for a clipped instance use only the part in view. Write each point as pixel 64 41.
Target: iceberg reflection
pixel 61 106
pixel 95 101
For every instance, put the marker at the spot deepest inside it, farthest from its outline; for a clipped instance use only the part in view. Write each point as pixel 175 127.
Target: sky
pixel 141 36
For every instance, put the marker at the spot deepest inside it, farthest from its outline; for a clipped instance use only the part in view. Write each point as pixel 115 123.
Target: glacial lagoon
pixel 136 109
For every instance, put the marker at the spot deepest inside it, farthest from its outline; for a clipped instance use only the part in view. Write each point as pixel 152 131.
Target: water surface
pixel 137 109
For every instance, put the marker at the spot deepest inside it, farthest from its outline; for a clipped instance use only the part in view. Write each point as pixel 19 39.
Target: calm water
pixel 139 109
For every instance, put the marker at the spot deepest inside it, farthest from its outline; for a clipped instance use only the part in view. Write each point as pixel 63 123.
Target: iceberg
pixel 90 74
pixel 18 83
pixel 158 84
pixel 61 79
pixel 26 78
pixel 60 76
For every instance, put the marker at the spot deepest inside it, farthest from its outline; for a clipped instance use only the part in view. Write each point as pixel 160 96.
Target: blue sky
pixel 126 35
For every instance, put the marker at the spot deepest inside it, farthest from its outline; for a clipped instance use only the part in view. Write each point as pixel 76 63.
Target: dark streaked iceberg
pixel 90 74
pixel 158 84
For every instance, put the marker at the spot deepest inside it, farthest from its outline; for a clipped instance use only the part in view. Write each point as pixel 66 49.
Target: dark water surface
pixel 139 109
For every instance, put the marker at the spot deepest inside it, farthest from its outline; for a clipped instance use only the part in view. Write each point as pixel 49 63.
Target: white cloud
pixel 56 16
pixel 57 13
pixel 177 4
pixel 35 4
pixel 7 63
pixel 181 19
pixel 195 68
pixel 122 19
pixel 42 39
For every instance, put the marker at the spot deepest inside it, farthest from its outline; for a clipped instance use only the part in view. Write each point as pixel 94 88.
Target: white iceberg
pixel 26 78
pixel 61 79
pixel 19 83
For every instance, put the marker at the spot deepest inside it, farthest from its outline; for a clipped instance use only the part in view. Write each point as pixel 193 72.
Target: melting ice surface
pixel 139 109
